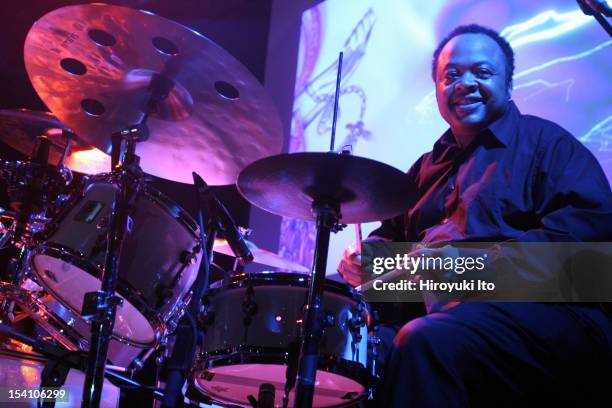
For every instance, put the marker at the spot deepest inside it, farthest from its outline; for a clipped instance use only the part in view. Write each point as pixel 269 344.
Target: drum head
pixel 57 275
pixel 235 383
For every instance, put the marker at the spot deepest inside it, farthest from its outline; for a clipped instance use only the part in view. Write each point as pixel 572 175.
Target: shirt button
pixel 451 187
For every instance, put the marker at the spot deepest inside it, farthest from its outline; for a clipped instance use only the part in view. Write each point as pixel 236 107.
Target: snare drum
pixel 252 320
pixel 159 258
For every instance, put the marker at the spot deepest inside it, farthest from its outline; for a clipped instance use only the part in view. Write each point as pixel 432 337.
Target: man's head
pixel 472 68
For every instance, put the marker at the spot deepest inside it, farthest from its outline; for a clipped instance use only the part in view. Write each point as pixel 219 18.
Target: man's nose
pixel 467 81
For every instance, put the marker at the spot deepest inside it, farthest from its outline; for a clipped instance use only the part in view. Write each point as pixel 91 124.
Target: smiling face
pixel 471 86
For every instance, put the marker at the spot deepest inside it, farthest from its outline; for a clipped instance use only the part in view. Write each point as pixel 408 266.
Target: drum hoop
pixel 31 303
pixel 277 355
pixel 282 279
pixel 67 332
pixel 168 205
pixel 130 294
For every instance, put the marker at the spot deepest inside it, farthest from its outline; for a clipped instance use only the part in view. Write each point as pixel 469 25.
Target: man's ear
pixel 509 90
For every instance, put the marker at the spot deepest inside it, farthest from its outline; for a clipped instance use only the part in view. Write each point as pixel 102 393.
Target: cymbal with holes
pixel 96 66
pixel 20 127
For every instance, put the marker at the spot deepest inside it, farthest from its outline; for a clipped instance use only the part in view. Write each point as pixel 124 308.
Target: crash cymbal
pixel 93 66
pixel 364 189
pixel 19 129
pixel 261 256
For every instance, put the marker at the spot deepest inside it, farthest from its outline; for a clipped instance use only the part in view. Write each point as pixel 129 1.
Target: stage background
pixel 388 110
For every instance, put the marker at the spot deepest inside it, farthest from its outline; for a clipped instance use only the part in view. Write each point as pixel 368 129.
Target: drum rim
pixel 31 304
pixel 67 333
pixel 278 356
pixel 69 256
pixel 274 278
pixel 214 400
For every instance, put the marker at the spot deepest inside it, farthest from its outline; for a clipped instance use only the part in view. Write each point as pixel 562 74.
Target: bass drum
pixel 159 259
pixel 252 330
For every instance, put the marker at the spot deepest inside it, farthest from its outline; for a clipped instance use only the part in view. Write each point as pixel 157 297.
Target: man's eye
pixel 483 73
pixel 451 75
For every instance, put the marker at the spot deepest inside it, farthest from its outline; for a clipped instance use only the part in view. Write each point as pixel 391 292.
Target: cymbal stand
pixel 100 306
pixel 315 320
pixel 34 202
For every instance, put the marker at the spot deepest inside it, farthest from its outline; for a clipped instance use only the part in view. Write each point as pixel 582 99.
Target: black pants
pixel 501 354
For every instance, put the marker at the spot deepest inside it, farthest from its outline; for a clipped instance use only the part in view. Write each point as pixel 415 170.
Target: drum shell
pixel 159 258
pixel 280 300
pixel 238 357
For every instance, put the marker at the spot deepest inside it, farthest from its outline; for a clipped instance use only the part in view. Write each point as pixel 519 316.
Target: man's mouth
pixel 467 103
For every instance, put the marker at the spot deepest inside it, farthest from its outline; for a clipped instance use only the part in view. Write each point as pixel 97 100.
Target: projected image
pixel 387 106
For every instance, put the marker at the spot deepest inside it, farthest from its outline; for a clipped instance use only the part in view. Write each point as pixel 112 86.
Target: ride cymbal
pixel 364 190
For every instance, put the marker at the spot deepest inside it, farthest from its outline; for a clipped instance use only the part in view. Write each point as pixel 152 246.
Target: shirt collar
pixel 502 130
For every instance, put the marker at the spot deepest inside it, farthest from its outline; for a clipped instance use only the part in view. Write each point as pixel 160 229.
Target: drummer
pixel 497 175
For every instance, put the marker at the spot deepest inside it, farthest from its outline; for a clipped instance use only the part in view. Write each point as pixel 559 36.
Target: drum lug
pixel 62 199
pixel 355 323
pixel 188 257
pixel 164 293
pixel 329 319
pixel 249 306
pixel 206 318
pixel 103 223
pixel 173 321
pixel 357 320
pixel 136 366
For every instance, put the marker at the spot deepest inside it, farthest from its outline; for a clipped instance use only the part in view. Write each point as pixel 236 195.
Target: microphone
pixel 226 223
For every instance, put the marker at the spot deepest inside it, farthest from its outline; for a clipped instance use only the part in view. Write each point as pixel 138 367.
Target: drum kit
pixel 106 272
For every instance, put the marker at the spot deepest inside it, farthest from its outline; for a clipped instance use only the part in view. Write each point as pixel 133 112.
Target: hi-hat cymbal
pixel 19 129
pixel 93 65
pixel 365 190
pixel 261 256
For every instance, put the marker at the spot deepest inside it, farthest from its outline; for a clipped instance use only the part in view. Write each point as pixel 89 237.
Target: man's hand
pixel 445 252
pixel 350 264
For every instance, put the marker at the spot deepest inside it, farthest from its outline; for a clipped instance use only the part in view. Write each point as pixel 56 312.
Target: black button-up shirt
pixel 524 179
